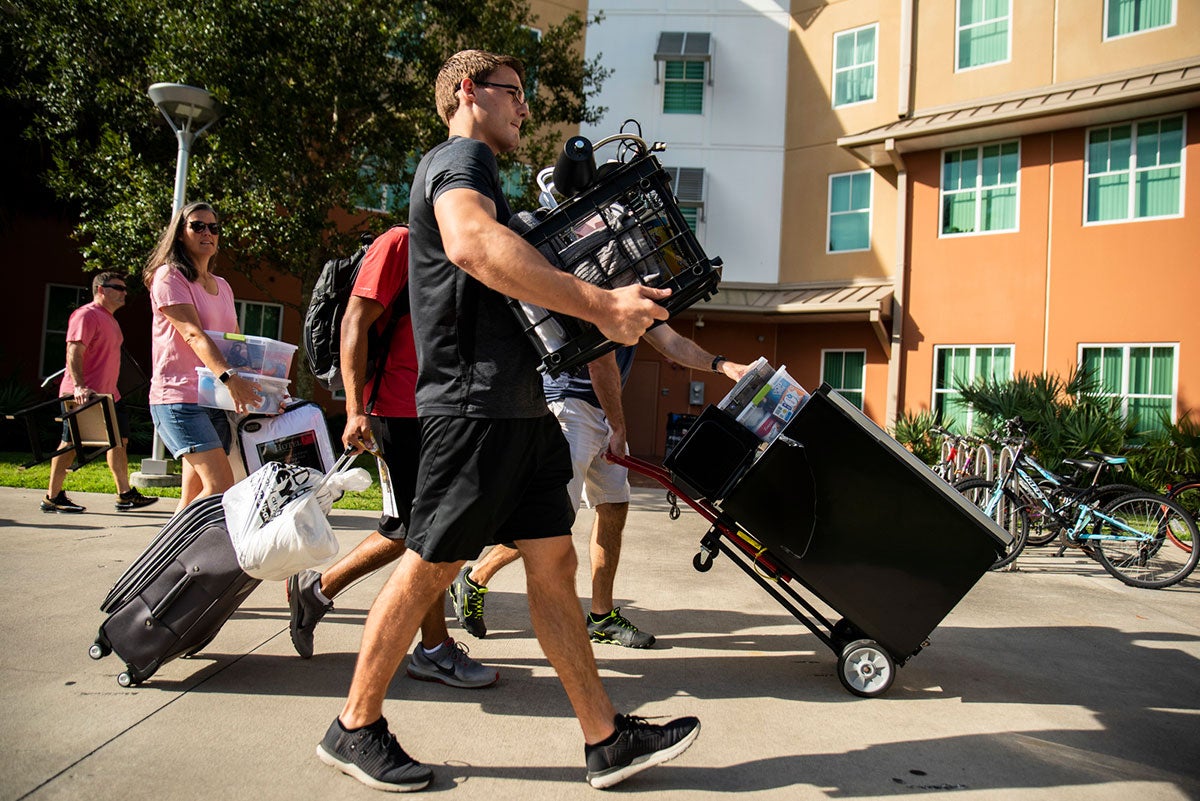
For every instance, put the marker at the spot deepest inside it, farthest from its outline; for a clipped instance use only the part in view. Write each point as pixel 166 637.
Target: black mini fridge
pixel 863 524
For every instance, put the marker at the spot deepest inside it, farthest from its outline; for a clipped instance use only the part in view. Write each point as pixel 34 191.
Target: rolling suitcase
pixel 176 596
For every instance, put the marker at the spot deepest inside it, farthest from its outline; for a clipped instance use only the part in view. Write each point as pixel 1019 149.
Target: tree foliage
pixel 323 100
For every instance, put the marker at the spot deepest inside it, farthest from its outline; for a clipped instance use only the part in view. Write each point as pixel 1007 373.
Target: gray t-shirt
pixel 474 358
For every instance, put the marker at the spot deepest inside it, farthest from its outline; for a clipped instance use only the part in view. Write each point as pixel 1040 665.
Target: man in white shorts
pixel 587 403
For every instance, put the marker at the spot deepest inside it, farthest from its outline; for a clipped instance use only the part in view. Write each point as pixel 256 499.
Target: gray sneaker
pixel 450 665
pixel 467 597
pixel 306 609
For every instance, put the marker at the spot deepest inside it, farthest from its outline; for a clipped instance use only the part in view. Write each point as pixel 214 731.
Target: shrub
pixel 912 430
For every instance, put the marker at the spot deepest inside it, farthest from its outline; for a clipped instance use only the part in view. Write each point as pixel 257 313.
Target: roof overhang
pixel 823 302
pixel 1160 89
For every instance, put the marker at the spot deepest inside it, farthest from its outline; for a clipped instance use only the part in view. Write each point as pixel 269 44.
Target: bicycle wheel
pixel 1044 525
pixel 1010 514
pixel 1136 545
pixel 1187 495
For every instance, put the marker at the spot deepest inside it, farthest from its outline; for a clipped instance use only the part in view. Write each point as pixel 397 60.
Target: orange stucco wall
pixel 1054 283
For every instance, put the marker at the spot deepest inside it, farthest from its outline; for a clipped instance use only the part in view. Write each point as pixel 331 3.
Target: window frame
pixel 1125 395
pixel 935 392
pixel 829 212
pixel 874 63
pixel 1134 169
pixel 702 81
pixel 240 307
pixel 841 390
pixel 1107 37
pixel 84 296
pixel 958 29
pixel 978 191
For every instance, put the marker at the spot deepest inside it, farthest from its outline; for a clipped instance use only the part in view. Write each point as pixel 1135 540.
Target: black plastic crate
pixel 625 229
pixel 712 455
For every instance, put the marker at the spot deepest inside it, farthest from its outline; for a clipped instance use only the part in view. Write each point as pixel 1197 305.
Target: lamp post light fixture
pixel 190 111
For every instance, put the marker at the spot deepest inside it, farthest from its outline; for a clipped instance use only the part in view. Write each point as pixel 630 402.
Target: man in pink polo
pixel 93 363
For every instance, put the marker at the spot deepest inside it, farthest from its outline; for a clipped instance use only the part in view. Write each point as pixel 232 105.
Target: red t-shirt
pixel 382 277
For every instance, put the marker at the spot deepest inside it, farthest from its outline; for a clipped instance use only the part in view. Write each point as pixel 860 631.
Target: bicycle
pixel 960 454
pixel 1127 536
pixel 1045 527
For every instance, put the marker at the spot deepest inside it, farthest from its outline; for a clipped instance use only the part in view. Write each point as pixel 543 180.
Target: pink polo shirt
pixel 98 331
pixel 175 363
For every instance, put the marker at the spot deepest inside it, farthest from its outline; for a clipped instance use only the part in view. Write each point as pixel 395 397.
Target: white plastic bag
pixel 276 516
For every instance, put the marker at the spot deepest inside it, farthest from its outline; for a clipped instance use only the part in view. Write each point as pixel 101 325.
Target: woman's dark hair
pixel 170 249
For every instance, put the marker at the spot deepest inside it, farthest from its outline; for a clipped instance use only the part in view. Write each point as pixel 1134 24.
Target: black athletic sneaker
pixel 132 499
pixel 372 755
pixel 61 503
pixel 616 629
pixel 635 746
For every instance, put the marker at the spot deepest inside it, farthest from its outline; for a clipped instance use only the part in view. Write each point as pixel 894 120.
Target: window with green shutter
pixel 979 188
pixel 1135 170
pixel 983 33
pixel 850 211
pixel 845 372
pixel 1123 17
pixel 1142 376
pixel 683 87
pixel 854 58
pixel 686 63
pixel 963 365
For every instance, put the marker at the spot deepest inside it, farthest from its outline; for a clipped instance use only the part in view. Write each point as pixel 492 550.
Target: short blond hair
pixel 474 64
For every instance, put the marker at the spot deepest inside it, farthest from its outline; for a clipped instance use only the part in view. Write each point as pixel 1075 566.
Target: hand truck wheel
pixel 865 669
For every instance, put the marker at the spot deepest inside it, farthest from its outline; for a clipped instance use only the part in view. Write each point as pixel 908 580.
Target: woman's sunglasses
pixel 198 226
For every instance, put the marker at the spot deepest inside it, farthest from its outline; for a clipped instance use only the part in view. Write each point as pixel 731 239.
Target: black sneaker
pixel 306 609
pixel 372 755
pixel 132 499
pixel 616 629
pixel 61 503
pixel 635 746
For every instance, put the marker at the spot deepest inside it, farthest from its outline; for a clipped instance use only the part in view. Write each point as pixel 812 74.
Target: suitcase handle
pixel 169 599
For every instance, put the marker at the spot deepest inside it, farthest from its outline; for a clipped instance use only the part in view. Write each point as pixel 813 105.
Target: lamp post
pixel 189 111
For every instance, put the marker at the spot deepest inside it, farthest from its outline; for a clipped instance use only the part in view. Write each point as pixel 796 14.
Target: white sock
pixel 433 650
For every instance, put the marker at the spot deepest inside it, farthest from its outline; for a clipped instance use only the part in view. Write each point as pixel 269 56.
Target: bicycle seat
pixel 1106 458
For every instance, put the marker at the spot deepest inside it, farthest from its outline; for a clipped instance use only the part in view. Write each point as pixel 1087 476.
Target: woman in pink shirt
pixel 187 299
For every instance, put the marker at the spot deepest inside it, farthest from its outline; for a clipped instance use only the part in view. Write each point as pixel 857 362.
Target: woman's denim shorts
pixel 188 428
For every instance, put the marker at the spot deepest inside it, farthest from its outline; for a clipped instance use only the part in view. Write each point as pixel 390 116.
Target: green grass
pixel 95 477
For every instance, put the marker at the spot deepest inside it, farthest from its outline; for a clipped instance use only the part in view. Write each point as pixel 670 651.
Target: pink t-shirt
pixel 95 327
pixel 175 363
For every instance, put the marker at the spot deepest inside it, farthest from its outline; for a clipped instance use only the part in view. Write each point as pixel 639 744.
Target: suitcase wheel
pixel 125 680
pixel 99 650
pixel 865 669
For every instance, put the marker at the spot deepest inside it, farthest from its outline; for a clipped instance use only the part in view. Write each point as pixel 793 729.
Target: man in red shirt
pixel 381 417
pixel 94 341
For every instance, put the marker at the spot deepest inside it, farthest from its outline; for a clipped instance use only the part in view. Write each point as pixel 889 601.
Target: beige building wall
pixel 812 155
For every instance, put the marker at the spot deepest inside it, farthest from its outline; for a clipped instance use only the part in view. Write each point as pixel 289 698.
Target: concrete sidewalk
pixel 1051 682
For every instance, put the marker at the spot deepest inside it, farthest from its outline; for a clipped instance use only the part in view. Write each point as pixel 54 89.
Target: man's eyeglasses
pixel 118 287
pixel 518 97
pixel 198 226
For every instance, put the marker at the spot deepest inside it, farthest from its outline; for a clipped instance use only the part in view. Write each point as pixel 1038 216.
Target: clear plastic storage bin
pixel 216 395
pixel 261 355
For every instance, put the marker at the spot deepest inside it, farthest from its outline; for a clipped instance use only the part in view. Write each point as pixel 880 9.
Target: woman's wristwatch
pixel 717 361
pixel 225 376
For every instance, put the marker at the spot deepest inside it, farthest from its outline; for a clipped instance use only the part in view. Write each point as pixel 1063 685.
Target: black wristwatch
pixel 225 376
pixel 717 360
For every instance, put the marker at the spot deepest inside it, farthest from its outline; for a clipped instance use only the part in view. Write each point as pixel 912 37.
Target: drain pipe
pixel 907 39
pixel 892 411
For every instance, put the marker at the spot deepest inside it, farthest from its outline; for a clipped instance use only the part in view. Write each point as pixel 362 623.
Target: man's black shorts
pixel 483 482
pixel 399 441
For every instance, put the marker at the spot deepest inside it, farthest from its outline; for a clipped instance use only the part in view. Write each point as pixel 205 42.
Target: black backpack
pixel 323 322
